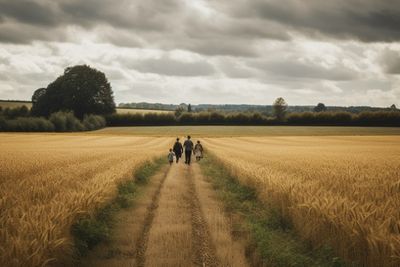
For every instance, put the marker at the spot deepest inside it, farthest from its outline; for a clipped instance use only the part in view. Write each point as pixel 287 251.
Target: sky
pixel 339 52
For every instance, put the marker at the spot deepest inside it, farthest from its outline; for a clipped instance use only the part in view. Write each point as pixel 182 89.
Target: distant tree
pixel 393 107
pixel 320 107
pixel 189 109
pixel 280 107
pixel 178 111
pixel 38 94
pixel 81 89
pixel 38 107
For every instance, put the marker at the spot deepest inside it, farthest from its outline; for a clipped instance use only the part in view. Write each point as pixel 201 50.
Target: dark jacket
pixel 188 145
pixel 178 149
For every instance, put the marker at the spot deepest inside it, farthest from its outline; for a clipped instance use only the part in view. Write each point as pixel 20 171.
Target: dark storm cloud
pixel 232 28
pixel 365 20
pixel 31 12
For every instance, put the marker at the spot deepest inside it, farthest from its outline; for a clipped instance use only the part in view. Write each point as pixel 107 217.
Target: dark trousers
pixel 178 155
pixel 188 155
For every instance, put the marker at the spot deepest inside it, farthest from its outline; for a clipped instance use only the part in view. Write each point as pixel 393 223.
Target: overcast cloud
pixel 341 52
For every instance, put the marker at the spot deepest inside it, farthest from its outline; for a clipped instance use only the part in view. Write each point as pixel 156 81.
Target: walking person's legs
pixel 189 156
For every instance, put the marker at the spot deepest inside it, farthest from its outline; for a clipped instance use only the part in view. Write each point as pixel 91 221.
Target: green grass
pixel 89 231
pixel 228 131
pixel 272 239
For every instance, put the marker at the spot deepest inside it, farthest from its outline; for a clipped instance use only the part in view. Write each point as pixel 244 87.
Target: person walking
pixel 198 151
pixel 188 145
pixel 171 155
pixel 178 150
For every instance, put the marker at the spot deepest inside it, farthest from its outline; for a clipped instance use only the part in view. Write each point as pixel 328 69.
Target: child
pixel 171 156
pixel 198 151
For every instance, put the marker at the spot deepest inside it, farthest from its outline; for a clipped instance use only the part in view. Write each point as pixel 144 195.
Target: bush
pixel 59 121
pixel 12 113
pixel 93 122
pixel 380 118
pixel 66 122
pixel 139 119
pixel 29 124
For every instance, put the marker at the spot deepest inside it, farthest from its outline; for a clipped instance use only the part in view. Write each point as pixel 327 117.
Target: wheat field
pixel 141 111
pixel 344 191
pixel 47 181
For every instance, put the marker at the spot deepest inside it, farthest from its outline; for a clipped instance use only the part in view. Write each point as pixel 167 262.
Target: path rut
pixel 177 221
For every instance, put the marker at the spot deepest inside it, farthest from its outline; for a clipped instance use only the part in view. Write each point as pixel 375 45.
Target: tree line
pixel 19 119
pixel 381 118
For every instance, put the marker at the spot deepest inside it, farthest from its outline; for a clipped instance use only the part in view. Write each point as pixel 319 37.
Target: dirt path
pixel 176 222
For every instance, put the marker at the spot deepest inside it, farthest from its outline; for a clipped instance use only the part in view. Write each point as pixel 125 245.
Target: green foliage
pixel 12 113
pixel 178 111
pixel 272 237
pixel 280 108
pixel 379 118
pixel 320 107
pixel 26 124
pixel 140 119
pixel 59 121
pixel 147 170
pixel 93 122
pixel 81 89
pixel 66 122
pixel 89 231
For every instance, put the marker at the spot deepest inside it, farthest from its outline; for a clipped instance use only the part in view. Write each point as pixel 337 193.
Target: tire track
pixel 144 237
pixel 204 249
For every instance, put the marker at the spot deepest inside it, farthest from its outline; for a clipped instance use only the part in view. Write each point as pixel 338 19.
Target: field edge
pixel 90 230
pixel 271 240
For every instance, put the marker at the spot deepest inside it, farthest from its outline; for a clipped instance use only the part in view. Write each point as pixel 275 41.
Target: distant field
pixel 144 111
pixel 14 104
pixel 227 131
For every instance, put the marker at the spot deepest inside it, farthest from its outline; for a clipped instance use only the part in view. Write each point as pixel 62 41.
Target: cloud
pixel 365 20
pixel 172 67
pixel 304 70
pixel 390 60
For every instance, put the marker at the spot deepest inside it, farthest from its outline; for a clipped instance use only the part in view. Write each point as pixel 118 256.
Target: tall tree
pixel 81 89
pixel 38 105
pixel 320 107
pixel 280 107
pixel 189 109
pixel 393 107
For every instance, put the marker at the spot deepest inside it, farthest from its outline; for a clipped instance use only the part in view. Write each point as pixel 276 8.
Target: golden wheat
pixel 47 181
pixel 342 191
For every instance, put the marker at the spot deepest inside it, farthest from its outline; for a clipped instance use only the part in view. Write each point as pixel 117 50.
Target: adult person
pixel 198 151
pixel 178 150
pixel 188 145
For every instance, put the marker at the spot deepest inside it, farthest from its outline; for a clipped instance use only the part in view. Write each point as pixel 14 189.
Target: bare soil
pixel 177 221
